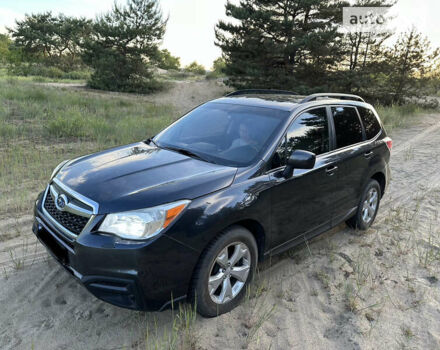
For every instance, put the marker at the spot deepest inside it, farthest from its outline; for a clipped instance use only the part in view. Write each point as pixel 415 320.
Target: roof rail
pixel 261 91
pixel 314 97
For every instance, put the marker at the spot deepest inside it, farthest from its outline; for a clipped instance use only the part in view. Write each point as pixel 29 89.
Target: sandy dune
pixel 344 290
pixel 183 94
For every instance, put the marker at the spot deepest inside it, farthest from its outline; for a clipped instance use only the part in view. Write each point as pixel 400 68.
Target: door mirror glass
pixel 299 159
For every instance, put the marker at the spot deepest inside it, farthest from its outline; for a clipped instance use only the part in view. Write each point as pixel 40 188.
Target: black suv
pixel 187 214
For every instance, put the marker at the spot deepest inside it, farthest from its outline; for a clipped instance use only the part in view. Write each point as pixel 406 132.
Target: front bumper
pixel 136 275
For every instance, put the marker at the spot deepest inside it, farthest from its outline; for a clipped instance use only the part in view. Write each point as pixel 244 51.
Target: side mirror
pixel 299 160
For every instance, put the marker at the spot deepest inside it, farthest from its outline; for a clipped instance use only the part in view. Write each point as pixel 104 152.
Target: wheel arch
pixel 252 225
pixel 380 177
pixel 257 230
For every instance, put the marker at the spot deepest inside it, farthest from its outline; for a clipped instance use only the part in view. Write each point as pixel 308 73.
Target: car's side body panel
pixel 207 216
pixel 301 202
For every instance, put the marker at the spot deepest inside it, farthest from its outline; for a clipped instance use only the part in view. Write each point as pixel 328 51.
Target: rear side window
pixel 348 127
pixel 371 124
pixel 309 132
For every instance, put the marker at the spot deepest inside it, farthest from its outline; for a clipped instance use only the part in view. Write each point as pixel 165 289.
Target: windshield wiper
pixel 186 152
pixel 150 140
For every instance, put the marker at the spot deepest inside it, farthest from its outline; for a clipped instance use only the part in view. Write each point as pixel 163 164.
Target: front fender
pixel 207 216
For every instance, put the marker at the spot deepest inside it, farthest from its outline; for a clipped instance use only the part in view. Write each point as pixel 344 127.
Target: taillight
pixel 389 143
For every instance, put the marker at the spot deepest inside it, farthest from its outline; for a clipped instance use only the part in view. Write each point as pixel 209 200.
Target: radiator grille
pixel 72 222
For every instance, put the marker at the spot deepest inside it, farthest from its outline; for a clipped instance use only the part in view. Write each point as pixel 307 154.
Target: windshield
pixel 226 134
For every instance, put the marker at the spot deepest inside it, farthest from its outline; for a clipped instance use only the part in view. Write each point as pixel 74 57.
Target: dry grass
pixel 179 334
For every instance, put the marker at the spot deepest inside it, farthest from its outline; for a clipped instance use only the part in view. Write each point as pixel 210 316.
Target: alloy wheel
pixel 229 272
pixel 370 205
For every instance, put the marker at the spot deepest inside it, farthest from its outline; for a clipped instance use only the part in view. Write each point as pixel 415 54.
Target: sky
pixel 190 29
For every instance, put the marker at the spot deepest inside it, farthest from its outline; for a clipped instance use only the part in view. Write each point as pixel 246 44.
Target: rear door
pixel 351 154
pixel 303 202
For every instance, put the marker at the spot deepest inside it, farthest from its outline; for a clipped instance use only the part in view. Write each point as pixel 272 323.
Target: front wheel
pixel 227 266
pixel 368 207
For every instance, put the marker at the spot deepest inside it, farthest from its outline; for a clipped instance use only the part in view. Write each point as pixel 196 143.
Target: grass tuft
pixel 398 116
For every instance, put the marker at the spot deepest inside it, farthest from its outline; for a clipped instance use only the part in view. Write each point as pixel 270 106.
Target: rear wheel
pixel 368 207
pixel 225 269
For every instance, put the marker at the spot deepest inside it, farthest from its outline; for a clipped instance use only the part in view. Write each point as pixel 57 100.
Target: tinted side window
pixel 309 132
pixel 348 127
pixel 371 124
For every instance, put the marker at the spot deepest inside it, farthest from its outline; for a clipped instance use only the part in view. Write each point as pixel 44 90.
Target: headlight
pixel 58 168
pixel 143 223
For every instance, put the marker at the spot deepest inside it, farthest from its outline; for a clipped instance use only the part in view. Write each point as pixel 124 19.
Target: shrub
pixel 219 66
pixel 52 72
pixel 195 68
pixel 178 74
pixel 40 70
pixel 168 61
pixel 212 75
pixel 77 75
pixel 66 126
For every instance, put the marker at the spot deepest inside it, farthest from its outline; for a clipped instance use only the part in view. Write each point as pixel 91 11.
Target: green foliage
pixel 52 40
pixel 77 75
pixel 409 60
pixel 195 68
pixel 41 70
pixel 15 56
pixel 219 65
pixel 287 45
pixel 168 61
pixel 218 69
pixel 362 68
pixel 432 80
pixel 5 42
pixel 297 45
pixel 122 45
pixel 389 75
pixel 397 116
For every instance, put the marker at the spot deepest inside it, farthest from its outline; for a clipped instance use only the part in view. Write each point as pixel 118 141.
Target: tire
pixel 366 213
pixel 217 264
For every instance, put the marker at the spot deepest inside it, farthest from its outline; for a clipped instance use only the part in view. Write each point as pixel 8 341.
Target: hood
pixel 141 176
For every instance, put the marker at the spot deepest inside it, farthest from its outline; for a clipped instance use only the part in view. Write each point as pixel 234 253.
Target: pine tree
pixel 123 45
pixel 288 44
pixel 410 60
pixel 363 56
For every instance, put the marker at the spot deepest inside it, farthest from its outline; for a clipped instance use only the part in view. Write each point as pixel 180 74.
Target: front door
pixel 303 202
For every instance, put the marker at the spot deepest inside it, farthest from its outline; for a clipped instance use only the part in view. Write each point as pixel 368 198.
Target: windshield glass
pixel 227 134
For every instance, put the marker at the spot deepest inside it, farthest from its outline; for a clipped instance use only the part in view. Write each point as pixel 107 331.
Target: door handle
pixel 331 170
pixel 368 154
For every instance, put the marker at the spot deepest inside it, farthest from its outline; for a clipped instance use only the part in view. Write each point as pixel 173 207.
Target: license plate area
pixel 60 253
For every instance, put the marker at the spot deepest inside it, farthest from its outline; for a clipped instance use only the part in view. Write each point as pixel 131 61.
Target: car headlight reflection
pixel 143 223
